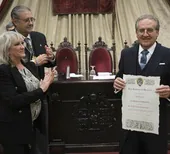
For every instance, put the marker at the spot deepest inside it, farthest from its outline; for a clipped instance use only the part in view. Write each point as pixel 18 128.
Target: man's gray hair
pixel 17 9
pixel 147 16
pixel 7 39
pixel 9 25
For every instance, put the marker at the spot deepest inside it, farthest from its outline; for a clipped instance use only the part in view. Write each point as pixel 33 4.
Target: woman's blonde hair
pixel 7 39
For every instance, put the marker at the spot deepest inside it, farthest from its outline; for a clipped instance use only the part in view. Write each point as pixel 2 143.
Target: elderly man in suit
pixel 36 45
pixel 36 50
pixel 147 31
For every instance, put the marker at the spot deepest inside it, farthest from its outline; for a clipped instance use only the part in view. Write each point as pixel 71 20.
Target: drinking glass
pixel 56 72
pixel 92 71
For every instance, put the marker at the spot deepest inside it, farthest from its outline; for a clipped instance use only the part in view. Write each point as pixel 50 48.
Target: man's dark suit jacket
pixel 15 115
pixel 38 43
pixel 158 65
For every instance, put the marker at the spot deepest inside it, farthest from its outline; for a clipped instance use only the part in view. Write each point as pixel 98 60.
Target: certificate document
pixel 140 104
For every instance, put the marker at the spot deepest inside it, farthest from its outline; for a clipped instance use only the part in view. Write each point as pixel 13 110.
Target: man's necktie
pixel 28 45
pixel 29 48
pixel 143 59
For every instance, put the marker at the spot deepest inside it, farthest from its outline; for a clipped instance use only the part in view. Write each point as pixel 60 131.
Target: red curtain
pixel 83 6
pixel 4 5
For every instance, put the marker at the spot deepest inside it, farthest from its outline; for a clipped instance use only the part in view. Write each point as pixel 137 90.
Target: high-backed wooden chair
pixel 66 56
pixel 100 57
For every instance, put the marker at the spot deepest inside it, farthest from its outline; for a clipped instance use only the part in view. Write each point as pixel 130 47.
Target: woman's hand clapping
pixel 48 79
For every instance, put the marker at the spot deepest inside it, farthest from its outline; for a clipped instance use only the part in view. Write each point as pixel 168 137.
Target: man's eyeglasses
pixel 148 30
pixel 27 20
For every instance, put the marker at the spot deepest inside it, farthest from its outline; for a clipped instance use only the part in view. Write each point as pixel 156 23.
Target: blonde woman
pixel 21 93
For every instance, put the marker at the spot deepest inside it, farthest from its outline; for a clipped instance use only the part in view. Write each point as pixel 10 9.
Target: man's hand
pixel 118 84
pixel 41 59
pixel 163 91
pixel 49 53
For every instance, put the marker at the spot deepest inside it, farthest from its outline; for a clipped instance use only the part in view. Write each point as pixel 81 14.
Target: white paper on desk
pixel 103 77
pixel 140 104
pixel 104 73
pixel 73 75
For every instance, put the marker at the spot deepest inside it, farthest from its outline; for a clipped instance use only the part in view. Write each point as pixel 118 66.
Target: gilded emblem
pixel 139 81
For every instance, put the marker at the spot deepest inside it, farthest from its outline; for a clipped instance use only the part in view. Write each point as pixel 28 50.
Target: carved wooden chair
pixel 66 56
pixel 133 44
pixel 100 57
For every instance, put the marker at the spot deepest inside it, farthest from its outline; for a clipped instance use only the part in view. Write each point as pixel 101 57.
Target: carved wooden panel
pixel 84 113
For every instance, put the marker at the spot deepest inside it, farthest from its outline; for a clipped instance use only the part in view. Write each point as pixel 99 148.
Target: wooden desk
pixel 84 116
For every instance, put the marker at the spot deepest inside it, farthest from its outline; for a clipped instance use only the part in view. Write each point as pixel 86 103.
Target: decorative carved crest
pixel 100 43
pixel 65 44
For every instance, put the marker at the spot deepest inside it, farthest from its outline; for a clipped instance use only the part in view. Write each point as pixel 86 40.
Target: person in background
pixel 10 27
pixel 21 95
pixel 157 64
pixel 36 45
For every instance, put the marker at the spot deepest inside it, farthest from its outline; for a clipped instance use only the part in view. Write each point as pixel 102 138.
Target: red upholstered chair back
pixel 66 56
pixel 100 57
